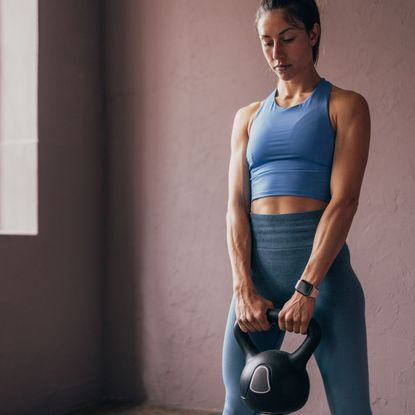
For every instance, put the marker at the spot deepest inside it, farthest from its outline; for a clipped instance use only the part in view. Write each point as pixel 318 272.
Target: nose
pixel 278 50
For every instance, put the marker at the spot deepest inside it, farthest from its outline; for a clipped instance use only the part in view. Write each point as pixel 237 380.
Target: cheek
pixel 300 51
pixel 267 54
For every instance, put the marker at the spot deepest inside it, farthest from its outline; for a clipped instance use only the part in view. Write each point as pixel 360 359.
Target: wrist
pixel 302 297
pixel 243 288
pixel 306 289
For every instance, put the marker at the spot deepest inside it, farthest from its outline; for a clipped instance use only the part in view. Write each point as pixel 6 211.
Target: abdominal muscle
pixel 271 205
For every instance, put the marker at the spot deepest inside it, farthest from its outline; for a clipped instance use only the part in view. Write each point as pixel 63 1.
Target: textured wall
pixel 177 73
pixel 51 283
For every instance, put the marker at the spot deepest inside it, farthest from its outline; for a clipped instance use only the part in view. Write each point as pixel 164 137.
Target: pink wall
pixel 178 72
pixel 145 318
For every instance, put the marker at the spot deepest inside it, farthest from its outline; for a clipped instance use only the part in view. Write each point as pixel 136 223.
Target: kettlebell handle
pixel 299 357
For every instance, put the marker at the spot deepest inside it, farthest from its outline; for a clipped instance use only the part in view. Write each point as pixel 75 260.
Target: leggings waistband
pixel 284 230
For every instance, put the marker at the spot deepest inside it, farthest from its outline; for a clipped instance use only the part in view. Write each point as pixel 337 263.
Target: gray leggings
pixel 281 247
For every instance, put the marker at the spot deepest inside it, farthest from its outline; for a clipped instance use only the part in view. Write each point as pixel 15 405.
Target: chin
pixel 285 77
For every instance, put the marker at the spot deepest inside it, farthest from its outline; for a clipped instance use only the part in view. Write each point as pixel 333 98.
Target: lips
pixel 283 68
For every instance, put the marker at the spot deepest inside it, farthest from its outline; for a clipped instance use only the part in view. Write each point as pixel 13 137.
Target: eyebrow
pixel 282 32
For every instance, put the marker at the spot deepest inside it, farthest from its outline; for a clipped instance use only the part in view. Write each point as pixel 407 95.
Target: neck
pixel 294 88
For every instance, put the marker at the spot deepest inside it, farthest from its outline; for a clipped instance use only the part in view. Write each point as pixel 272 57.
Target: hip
pixel 281 247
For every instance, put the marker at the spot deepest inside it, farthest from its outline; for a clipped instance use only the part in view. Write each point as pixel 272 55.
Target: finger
pixel 281 321
pixel 270 306
pixel 244 323
pixel 264 324
pixel 262 321
pixel 244 327
pixel 296 326
pixel 250 325
pixel 304 327
pixel 289 323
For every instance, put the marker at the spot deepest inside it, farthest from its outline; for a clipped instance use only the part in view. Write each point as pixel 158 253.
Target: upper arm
pixel 351 148
pixel 239 191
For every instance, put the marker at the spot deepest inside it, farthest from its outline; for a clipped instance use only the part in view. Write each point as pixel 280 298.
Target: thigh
pixel 233 361
pixel 342 353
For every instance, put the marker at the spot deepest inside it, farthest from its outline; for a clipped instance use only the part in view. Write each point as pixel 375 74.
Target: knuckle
pixel 258 315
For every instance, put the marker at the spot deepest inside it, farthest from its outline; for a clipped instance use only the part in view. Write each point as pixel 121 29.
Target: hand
pixel 251 311
pixel 296 313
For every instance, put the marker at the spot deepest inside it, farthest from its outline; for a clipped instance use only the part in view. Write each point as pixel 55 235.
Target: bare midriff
pixel 271 205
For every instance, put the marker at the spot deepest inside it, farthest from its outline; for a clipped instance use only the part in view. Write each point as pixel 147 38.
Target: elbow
pixel 348 204
pixel 237 206
pixel 228 218
pixel 234 210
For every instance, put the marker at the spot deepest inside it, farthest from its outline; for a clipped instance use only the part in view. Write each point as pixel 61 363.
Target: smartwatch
pixel 306 288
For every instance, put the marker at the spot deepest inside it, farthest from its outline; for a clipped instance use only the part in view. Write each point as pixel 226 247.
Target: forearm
pixel 330 236
pixel 239 246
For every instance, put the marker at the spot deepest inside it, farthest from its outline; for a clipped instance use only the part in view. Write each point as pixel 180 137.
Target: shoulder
pixel 245 115
pixel 251 110
pixel 241 124
pixel 346 103
pixel 345 97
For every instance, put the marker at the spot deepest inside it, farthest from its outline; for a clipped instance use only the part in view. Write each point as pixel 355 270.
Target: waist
pixel 286 204
pixel 284 230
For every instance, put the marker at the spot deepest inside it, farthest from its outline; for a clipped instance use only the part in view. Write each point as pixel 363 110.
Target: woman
pixel 297 163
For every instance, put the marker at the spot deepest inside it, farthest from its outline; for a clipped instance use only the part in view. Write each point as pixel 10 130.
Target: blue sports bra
pixel 290 149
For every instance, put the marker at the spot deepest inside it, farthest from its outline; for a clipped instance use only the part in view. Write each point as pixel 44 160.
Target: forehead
pixel 272 23
pixel 265 34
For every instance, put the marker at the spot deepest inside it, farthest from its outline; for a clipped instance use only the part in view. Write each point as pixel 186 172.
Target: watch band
pixel 306 288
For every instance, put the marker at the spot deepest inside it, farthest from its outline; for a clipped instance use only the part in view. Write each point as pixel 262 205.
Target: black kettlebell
pixel 274 381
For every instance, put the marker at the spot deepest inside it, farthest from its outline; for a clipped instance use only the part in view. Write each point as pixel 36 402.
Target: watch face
pixel 305 287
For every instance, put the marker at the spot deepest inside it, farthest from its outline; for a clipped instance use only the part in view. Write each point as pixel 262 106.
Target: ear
pixel 314 34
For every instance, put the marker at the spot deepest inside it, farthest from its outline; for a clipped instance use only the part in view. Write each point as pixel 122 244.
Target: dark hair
pixel 305 11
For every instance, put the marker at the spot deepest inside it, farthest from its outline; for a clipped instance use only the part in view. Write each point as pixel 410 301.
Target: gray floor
pixel 146 409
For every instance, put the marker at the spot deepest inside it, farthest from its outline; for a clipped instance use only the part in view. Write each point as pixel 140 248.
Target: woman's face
pixel 284 44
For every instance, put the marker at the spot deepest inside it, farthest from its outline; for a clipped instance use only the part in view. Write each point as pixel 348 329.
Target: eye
pixel 284 40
